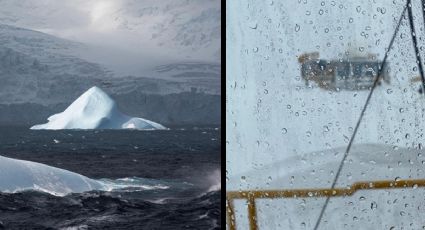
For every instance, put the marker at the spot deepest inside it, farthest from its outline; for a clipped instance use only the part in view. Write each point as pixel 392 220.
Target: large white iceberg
pixel 19 175
pixel 95 110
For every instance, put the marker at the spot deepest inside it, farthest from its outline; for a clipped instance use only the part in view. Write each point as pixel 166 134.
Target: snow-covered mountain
pixel 94 109
pixel 43 69
pixel 155 54
pixel 34 63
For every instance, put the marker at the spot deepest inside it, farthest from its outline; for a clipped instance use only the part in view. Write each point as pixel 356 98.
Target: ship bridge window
pixel 343 69
pixel 371 70
pixel 357 70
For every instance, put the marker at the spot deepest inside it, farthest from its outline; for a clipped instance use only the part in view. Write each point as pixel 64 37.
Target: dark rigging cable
pixel 415 42
pixel 375 83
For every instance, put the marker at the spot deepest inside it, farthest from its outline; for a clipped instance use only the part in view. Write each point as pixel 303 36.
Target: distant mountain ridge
pixel 39 71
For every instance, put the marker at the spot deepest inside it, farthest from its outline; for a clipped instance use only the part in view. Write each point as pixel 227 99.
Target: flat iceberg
pixel 95 110
pixel 19 175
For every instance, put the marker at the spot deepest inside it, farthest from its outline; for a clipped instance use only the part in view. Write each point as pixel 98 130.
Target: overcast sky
pixel 166 29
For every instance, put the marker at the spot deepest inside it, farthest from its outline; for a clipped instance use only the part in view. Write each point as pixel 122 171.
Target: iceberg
pixel 19 175
pixel 94 109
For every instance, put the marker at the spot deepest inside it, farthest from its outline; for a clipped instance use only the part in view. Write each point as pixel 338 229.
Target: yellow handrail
pixel 250 196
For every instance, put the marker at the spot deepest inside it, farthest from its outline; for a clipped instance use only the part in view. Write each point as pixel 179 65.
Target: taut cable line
pixel 375 83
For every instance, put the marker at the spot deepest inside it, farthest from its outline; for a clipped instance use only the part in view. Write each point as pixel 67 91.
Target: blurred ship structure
pixel 353 73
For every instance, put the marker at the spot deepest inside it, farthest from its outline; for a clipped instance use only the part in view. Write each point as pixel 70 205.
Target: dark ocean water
pixel 183 164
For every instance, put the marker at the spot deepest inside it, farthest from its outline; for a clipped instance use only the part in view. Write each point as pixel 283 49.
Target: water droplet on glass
pixel 297 27
pixel 373 205
pixel 253 26
pixel 358 8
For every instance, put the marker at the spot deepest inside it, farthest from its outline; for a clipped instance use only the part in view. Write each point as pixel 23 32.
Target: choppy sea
pixel 174 177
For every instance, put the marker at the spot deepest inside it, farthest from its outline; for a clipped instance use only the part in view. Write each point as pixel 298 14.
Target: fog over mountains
pixel 157 59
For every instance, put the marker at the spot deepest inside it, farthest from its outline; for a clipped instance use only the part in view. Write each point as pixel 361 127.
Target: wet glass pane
pixel 300 76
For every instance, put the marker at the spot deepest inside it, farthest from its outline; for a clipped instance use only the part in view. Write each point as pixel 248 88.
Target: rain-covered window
pixel 325 114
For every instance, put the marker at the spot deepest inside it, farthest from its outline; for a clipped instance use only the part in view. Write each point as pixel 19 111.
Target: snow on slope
pixel 370 209
pixel 95 110
pixel 33 63
pixel 19 175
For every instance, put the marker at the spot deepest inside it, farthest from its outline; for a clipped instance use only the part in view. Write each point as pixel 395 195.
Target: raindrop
pixel 358 8
pixel 253 26
pixel 373 205
pixel 284 130
pixel 297 27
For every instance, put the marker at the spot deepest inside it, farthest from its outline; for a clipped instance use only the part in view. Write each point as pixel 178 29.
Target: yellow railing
pixel 250 196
